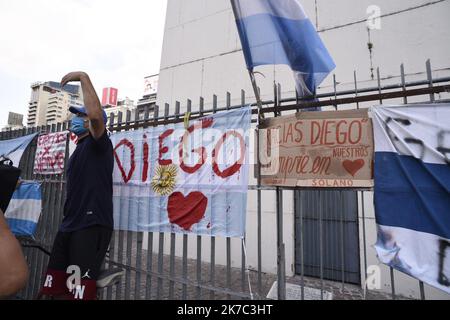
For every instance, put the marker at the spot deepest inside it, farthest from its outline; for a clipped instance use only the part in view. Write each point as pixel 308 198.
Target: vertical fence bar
pixel 129 248
pixel 34 253
pixel 279 98
pixel 243 260
pixel 280 245
pixel 405 101
pixel 379 84
pixel 281 281
pixel 161 238
pixel 342 240
pixel 188 105
pixel 41 234
pixel 31 175
pixel 185 236
pixel 36 280
pixel 53 204
pixel 60 180
pixel 321 243
pixel 275 99
pixel 38 275
pixel 172 235
pixel 31 252
pixel 213 239
pixel 335 90
pixel 47 209
pixel 199 238
pixel 109 290
pixel 228 239
pixel 199 267
pixel 49 212
pixel 391 270
pixel 139 234
pixel 62 176
pixel 422 290
pixel 20 133
pixel 258 212
pixel 356 88
pixel 149 262
pixel 430 78
pixel 201 106
pixel 50 229
pixel 28 167
pixel 149 266
pixel 402 76
pixel 121 233
pixel 302 231
pixel 363 210
pixel 52 201
pixel 275 114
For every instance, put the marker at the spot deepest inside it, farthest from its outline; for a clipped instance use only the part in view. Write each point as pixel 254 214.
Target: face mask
pixel 77 126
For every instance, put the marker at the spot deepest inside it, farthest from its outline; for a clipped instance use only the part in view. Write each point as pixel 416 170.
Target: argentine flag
pixel 14 148
pixel 412 190
pixel 279 32
pixel 24 209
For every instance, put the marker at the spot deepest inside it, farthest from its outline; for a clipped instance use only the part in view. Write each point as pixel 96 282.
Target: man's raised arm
pixel 13 267
pixel 91 102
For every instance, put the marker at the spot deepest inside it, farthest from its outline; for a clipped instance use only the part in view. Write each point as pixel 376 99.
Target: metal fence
pixel 164 274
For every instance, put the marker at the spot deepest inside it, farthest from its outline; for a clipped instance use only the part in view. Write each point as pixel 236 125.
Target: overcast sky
pixel 117 42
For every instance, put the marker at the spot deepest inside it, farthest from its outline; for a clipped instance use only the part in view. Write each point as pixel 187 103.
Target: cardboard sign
pixel 51 153
pixel 331 149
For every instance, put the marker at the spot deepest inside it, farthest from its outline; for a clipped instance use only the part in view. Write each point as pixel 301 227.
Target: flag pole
pixel 258 124
pixel 257 96
pixel 251 74
pixel 280 245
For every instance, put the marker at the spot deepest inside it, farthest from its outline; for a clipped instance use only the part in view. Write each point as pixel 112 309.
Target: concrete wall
pixel 202 56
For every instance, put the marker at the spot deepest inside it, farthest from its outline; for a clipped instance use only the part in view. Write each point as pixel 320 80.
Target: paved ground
pixel 148 286
pixel 143 281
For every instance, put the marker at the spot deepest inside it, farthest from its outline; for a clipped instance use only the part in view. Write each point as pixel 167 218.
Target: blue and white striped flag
pixel 279 32
pixel 412 190
pixel 24 209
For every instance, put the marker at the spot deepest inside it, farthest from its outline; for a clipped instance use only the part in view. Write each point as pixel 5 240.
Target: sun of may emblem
pixel 164 180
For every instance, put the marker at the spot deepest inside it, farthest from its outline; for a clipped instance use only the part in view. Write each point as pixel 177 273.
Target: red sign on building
pixel 109 97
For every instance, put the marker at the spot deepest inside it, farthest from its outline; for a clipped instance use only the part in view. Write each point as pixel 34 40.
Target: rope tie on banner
pixel 187 115
pixel 247 270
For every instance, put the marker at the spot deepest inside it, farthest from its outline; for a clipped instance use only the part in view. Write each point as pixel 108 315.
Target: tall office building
pixel 122 106
pixel 149 95
pixel 113 105
pixel 15 121
pixel 49 103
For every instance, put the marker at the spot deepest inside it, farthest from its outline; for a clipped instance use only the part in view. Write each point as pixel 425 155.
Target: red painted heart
pixel 186 211
pixel 353 167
